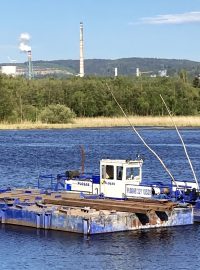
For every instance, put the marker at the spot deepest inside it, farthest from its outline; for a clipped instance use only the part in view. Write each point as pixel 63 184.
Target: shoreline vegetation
pixel 97 122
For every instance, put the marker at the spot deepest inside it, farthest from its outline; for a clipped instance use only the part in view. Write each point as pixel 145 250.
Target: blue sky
pixel 112 29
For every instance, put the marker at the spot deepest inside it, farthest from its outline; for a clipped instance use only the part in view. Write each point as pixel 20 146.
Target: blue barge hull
pixel 85 220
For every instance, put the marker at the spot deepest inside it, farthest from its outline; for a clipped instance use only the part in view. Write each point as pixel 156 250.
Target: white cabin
pixel 122 178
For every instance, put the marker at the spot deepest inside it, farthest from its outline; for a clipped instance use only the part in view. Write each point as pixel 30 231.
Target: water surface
pixel 25 154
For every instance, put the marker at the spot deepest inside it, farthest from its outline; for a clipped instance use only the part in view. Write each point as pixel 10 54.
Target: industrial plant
pixel 98 67
pixel 28 72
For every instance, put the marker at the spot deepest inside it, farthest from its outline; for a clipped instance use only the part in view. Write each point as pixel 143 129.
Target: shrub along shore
pixel 94 122
pixel 52 100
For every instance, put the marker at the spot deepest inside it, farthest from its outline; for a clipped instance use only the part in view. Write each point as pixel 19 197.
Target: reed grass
pixel 157 121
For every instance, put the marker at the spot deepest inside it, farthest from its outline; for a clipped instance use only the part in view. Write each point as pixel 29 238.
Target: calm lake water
pixel 26 154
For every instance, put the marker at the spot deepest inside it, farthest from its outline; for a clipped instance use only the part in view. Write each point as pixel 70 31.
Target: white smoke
pixel 24 42
pixel 24 47
pixel 25 37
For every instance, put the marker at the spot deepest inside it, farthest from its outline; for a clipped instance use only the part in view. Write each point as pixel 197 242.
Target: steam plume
pixel 24 42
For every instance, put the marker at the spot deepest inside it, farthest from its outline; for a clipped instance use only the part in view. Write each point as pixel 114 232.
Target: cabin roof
pixel 121 162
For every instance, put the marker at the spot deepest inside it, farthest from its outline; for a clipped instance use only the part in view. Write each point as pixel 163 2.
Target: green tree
pixel 56 114
pixel 195 82
pixel 183 75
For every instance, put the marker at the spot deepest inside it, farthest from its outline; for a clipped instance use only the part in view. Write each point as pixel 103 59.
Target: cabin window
pixel 119 172
pixel 136 172
pixel 131 173
pixel 109 173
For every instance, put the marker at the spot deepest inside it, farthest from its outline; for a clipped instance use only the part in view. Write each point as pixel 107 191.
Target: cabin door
pixel 112 184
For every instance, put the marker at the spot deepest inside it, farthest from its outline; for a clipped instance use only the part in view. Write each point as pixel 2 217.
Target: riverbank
pixel 158 121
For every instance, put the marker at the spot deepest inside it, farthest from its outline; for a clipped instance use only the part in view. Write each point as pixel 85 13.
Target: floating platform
pixel 68 212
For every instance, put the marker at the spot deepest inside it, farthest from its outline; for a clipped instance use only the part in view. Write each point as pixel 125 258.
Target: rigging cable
pixel 186 153
pixel 135 130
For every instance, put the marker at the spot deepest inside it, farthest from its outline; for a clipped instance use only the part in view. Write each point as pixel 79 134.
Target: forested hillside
pixel 126 66
pixel 22 99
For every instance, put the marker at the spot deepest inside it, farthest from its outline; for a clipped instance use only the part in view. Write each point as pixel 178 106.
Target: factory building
pixel 9 70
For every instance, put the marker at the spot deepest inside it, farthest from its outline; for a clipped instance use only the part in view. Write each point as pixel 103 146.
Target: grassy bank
pixel 165 121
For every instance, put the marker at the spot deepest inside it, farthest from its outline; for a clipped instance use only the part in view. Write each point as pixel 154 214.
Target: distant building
pixel 8 70
pixel 162 73
pixel 38 71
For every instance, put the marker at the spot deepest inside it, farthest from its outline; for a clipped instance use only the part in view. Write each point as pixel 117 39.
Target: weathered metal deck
pixel 67 212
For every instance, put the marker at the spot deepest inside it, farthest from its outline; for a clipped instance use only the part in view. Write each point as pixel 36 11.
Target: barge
pixel 116 200
pixel 68 212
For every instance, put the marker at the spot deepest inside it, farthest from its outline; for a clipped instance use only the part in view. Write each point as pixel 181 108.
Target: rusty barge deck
pixel 68 212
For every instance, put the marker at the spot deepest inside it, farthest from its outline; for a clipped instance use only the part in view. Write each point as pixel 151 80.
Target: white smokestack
pixel 81 51
pixel 116 72
pixel 137 72
pixel 30 71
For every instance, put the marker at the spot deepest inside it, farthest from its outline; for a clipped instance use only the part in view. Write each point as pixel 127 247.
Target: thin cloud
pixel 189 17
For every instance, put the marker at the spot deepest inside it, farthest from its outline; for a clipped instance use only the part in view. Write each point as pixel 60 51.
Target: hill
pixel 126 66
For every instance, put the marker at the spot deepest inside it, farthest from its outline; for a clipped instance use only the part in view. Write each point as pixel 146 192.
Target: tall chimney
pixel 116 72
pixel 138 72
pixel 30 71
pixel 81 51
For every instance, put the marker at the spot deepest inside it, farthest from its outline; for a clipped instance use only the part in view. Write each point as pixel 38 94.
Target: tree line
pixel 22 99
